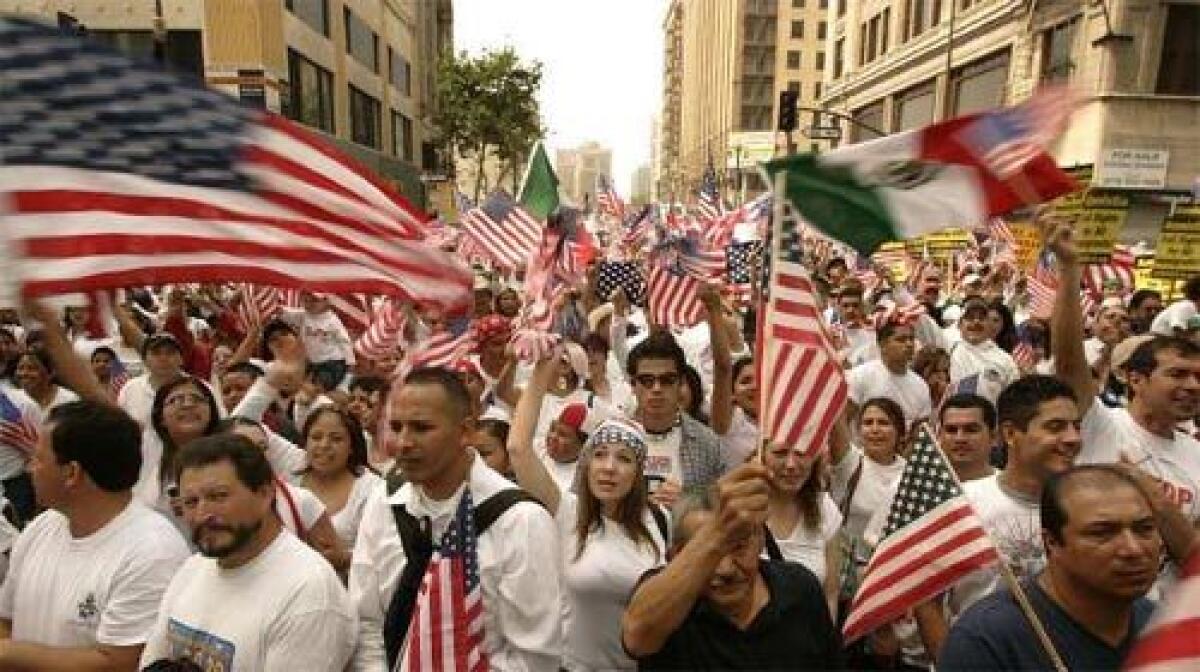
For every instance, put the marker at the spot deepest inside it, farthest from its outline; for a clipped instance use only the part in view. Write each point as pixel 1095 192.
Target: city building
pixel 642 185
pixel 362 72
pixel 578 169
pixel 902 64
pixel 725 63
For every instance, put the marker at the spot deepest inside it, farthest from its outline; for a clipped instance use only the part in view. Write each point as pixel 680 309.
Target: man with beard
pixel 87 575
pixel 255 597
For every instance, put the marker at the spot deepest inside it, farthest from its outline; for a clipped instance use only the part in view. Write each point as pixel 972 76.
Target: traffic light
pixel 787 110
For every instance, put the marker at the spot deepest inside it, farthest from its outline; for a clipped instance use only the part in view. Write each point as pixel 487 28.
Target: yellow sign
pixel 940 245
pixel 1143 278
pixel 1028 243
pixel 1177 256
pixel 894 256
pixel 1098 216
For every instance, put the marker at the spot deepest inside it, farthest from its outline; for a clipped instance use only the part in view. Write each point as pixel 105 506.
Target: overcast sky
pixel 602 66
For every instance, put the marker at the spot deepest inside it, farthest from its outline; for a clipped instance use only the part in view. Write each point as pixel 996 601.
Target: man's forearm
pixel 662 603
pixel 27 657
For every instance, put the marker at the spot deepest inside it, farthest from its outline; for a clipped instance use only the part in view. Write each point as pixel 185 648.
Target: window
pixel 870 119
pixel 313 12
pixel 817 90
pixel 364 119
pixel 794 87
pixel 862 44
pixel 798 4
pixel 184 51
pixel 793 60
pixel 873 38
pixel 400 72
pixel 1057 44
pixel 820 60
pixel 824 4
pixel 310 93
pixel 838 49
pixel 1177 71
pixel 822 29
pixel 913 107
pixel 361 41
pixel 885 24
pixel 841 8
pixel 980 85
pixel 797 29
pixel 920 15
pixel 402 140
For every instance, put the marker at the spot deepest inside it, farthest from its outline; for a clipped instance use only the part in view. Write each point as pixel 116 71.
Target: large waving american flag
pixel 118 174
pixel 446 632
pixel 802 388
pixel 503 230
pixel 932 539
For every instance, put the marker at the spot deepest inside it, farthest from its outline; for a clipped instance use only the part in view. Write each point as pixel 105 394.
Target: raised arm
pixel 1066 324
pixel 531 473
pixel 70 368
pixel 722 386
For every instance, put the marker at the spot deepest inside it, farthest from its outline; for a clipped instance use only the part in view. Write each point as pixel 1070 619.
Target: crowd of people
pixel 205 491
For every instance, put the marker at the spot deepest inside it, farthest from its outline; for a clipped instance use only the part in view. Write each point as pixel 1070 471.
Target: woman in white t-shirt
pixel 338 474
pixel 611 535
pixel 801 516
pixel 35 376
pixel 300 511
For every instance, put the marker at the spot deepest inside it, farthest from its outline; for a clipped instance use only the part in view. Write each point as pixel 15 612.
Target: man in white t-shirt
pixel 1040 429
pixel 976 361
pixel 890 375
pixel 255 597
pixel 1163 381
pixel 852 314
pixel 1175 317
pixel 87 575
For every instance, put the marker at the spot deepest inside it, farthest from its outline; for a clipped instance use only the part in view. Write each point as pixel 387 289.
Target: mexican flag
pixel 539 191
pixel 957 173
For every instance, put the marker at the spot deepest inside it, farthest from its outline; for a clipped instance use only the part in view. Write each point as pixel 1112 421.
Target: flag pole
pixel 1010 579
pixel 760 315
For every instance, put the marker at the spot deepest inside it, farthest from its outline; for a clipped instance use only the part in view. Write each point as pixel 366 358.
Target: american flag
pixel 503 230
pixel 384 335
pixel 708 204
pixel 623 274
pixel 119 174
pixel 678 269
pixel 803 388
pixel 1042 286
pixel 118 375
pixel 607 199
pixel 17 429
pixel 1024 356
pixel 719 232
pixel 932 539
pixel 442 349
pixel 1119 268
pixel 636 232
pixel 1169 643
pixel 741 259
pixel 998 229
pixel 256 304
pixel 1008 139
pixel 446 632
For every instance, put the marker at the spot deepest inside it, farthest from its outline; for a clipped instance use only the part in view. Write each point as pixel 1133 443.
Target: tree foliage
pixel 487 104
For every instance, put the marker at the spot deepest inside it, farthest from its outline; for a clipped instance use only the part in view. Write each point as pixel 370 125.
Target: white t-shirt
pixel 861 346
pixel 325 337
pixel 995 367
pixel 597 587
pixel 1110 432
pixel 284 610
pixel 806 546
pixel 563 473
pixel 100 589
pixel 345 522
pixel 308 507
pixel 662 457
pixel 874 379
pixel 876 487
pixel 61 396
pixel 741 440
pixel 1014 524
pixel 1174 316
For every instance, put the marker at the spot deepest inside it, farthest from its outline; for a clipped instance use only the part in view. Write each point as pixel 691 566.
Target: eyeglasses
pixel 186 398
pixel 649 379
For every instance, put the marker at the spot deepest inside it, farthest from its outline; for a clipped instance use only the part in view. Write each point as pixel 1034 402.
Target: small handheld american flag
pixel 17 429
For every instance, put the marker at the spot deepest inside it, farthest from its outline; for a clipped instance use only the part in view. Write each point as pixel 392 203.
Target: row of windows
pixel 794 61
pixel 362 44
pixel 801 4
pixel 798 89
pixel 873 37
pixel 798 30
pixel 310 101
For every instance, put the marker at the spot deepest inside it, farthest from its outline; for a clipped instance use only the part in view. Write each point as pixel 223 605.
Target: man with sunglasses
pixel 683 454
pixel 977 364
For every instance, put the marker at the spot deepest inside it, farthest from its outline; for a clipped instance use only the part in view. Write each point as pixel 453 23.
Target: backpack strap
pixel 844 507
pixel 295 511
pixel 417 538
pixel 773 551
pixel 660 521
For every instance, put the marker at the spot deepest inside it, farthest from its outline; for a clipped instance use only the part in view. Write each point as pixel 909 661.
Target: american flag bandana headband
pixel 617 431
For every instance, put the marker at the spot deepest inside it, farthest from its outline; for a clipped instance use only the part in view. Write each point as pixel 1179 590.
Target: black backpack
pixel 417 539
